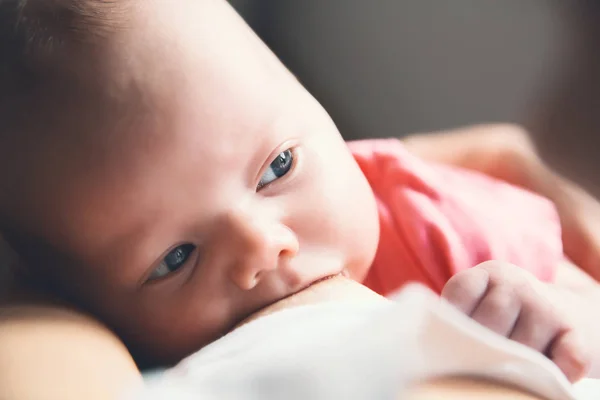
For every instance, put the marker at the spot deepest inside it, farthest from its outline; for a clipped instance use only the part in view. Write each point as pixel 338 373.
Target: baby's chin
pixel 334 288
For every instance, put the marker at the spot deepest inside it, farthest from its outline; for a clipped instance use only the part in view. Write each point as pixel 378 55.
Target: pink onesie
pixel 437 220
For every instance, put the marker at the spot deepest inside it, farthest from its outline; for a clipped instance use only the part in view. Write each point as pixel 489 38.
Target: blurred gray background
pixel 392 67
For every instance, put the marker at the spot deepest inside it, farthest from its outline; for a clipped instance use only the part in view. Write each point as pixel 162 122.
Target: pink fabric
pixel 437 220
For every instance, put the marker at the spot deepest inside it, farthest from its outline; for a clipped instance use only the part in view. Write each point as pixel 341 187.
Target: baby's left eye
pixel 174 260
pixel 281 165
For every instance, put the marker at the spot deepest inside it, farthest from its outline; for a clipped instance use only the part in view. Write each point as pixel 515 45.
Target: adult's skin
pixel 53 352
pixel 58 353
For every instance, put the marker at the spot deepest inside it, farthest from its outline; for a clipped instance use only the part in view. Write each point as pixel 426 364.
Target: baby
pixel 162 170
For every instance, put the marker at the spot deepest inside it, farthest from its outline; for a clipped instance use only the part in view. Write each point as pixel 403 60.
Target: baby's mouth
pixel 325 278
pixel 288 301
pixel 342 274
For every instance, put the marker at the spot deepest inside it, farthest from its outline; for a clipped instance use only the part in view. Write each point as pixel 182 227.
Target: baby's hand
pixel 512 302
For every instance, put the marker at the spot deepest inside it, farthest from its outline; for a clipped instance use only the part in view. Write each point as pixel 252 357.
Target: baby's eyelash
pixel 173 261
pixel 281 165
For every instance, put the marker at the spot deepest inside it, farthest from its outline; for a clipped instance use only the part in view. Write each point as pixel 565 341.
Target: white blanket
pixel 347 350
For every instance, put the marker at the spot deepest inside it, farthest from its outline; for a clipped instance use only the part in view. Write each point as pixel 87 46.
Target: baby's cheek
pixel 357 271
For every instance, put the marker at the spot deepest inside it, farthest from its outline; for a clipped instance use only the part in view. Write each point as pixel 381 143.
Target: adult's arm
pixel 48 351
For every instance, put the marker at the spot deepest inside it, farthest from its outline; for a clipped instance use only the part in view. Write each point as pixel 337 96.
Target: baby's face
pixel 233 192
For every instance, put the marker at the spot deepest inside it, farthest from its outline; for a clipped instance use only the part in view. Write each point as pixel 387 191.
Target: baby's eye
pixel 280 166
pixel 173 261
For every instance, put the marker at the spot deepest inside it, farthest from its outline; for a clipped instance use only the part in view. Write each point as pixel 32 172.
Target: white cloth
pixel 347 350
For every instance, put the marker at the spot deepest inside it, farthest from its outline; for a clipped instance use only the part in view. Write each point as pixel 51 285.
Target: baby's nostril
pixel 286 253
pixel 253 282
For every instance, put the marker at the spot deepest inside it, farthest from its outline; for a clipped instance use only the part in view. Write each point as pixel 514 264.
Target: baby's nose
pixel 258 246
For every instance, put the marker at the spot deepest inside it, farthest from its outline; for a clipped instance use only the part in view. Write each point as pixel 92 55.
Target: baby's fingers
pixel 567 352
pixel 466 289
pixel 499 309
pixel 494 306
pixel 538 325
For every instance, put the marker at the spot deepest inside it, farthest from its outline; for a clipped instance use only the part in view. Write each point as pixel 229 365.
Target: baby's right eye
pixel 280 166
pixel 174 260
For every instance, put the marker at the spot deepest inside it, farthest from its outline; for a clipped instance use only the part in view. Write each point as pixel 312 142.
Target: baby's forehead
pixel 161 72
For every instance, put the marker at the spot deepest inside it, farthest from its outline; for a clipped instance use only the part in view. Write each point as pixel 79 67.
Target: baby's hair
pixel 50 52
pixel 43 42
